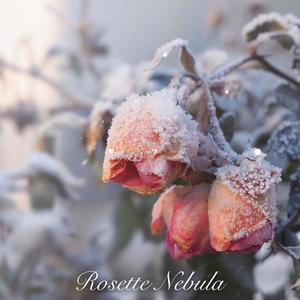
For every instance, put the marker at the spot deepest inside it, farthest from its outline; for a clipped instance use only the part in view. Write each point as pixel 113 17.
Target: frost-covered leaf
pixel 288 97
pixel 272 26
pixel 188 60
pixel 227 123
pixel 42 166
pixel 164 51
pixel 285 141
pixel 272 22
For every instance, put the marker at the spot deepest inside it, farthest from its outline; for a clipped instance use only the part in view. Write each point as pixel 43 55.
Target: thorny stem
pixel 74 98
pixel 215 128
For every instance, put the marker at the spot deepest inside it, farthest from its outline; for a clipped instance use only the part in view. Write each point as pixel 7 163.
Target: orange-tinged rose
pixel 151 142
pixel 184 212
pixel 237 223
pixel 242 205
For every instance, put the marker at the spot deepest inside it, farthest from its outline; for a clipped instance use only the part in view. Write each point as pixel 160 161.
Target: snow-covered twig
pixel 71 96
pixel 232 67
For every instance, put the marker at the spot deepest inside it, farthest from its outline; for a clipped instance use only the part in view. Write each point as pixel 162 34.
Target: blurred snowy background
pixel 75 43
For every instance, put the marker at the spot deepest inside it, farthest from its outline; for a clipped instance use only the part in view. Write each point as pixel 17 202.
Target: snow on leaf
pixel 288 97
pixel 285 141
pixel 273 26
pixel 164 51
pixel 42 165
pixel 271 22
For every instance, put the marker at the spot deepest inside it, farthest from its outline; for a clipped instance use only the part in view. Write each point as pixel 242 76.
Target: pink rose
pixel 184 212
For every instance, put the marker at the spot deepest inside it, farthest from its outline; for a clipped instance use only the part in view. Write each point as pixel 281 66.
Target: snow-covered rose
pixel 151 142
pixel 242 204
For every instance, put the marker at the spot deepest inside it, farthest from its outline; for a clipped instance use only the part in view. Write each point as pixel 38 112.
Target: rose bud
pixel 151 142
pixel 242 204
pixel 183 210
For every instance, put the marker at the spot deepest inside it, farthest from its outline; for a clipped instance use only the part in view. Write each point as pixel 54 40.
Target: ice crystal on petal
pixel 152 124
pixel 156 167
pixel 252 177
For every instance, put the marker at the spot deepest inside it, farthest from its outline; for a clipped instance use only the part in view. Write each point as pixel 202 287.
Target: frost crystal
pixel 252 177
pixel 285 141
pixel 153 124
